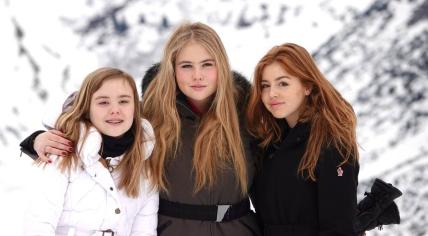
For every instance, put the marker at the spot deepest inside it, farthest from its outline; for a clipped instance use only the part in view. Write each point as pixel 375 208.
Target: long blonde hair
pixel 218 144
pixel 332 119
pixel 132 165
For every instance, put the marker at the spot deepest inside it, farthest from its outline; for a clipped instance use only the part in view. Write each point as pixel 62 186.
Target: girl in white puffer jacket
pixel 104 187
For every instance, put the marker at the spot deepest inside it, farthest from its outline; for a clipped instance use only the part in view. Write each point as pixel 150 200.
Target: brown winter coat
pixel 180 177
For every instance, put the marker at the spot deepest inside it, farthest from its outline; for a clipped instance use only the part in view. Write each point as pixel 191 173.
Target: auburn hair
pixel 218 143
pixel 132 165
pixel 331 117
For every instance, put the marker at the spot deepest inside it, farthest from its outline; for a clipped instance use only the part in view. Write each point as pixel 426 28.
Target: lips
pixel 275 104
pixel 198 87
pixel 114 122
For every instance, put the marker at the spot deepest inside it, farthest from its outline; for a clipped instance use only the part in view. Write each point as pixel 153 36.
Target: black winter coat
pixel 291 205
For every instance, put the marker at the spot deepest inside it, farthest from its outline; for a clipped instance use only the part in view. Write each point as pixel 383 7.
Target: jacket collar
pixel 184 109
pixel 296 135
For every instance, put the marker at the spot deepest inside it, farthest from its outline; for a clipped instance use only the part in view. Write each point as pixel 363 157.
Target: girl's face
pixel 112 107
pixel 196 74
pixel 282 94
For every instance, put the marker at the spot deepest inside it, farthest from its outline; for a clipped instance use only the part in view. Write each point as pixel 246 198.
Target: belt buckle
pixel 108 232
pixel 221 212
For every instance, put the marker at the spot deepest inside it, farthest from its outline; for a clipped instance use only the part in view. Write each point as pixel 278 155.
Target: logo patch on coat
pixel 339 171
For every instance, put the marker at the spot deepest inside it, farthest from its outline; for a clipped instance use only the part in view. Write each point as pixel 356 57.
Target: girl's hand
pixel 52 142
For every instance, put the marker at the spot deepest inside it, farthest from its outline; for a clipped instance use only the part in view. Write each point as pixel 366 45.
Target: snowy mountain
pixel 374 52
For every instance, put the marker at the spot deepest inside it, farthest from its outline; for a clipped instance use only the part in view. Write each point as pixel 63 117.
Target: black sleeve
pixel 27 145
pixel 337 194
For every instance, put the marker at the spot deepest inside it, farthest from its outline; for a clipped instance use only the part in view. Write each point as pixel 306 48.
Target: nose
pixel 197 74
pixel 115 109
pixel 273 92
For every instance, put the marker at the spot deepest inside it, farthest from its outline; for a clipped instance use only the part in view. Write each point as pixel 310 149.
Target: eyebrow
pixel 189 62
pixel 278 78
pixel 107 97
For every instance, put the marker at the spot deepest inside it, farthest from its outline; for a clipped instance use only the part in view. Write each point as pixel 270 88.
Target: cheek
pixel 180 78
pixel 94 116
pixel 131 111
pixel 212 75
pixel 212 80
pixel 92 112
pixel 300 96
pixel 181 74
pixel 265 98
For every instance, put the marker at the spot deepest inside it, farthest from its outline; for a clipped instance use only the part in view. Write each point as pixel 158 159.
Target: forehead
pixel 116 85
pixel 193 51
pixel 273 71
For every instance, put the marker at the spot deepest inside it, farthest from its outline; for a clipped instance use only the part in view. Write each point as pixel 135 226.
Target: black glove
pixel 378 207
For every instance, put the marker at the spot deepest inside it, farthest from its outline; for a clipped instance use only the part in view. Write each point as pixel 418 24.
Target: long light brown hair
pixel 332 119
pixel 132 165
pixel 218 143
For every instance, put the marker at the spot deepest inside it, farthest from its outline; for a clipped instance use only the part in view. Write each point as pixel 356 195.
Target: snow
pixel 356 51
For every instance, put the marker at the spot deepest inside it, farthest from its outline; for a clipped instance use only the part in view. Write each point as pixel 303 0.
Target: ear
pixel 308 91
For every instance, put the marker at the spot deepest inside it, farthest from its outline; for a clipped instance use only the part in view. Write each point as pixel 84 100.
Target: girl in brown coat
pixel 201 161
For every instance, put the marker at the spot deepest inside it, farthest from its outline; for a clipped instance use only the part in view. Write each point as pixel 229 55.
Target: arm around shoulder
pixel 27 145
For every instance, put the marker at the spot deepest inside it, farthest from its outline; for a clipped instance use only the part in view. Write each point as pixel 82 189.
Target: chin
pixel 199 98
pixel 278 115
pixel 116 133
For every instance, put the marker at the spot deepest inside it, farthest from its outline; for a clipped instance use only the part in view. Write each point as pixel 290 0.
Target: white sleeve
pixel 146 221
pixel 149 138
pixel 47 203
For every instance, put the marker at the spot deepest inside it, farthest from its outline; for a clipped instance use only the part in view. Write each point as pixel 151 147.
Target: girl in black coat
pixel 309 158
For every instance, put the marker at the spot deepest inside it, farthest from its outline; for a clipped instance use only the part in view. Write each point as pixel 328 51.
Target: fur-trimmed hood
pixel 241 83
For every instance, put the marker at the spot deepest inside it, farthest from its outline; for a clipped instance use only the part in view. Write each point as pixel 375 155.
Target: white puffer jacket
pixel 87 201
